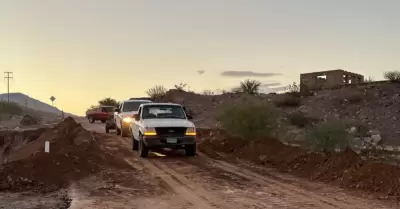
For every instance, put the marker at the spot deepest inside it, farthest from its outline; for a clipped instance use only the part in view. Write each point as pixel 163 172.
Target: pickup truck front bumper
pixel 168 142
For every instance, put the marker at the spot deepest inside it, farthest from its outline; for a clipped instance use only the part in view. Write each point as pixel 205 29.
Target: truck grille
pixel 171 131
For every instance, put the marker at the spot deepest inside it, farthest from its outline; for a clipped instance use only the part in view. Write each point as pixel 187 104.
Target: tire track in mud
pixel 197 200
pixel 238 202
pixel 325 201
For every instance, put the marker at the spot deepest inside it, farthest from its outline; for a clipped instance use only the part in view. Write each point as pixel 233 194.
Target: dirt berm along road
pixel 172 180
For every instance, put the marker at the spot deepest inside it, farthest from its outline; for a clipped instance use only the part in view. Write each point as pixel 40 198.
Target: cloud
pixel 245 73
pixel 200 72
pixel 267 90
pixel 270 84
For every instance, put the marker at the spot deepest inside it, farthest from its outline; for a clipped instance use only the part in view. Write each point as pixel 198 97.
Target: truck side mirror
pixel 189 117
pixel 117 110
pixel 136 117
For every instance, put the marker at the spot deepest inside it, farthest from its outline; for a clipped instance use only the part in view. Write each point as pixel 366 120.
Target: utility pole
pixel 8 77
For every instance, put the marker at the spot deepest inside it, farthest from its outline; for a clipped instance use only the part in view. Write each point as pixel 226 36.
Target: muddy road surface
pixel 172 180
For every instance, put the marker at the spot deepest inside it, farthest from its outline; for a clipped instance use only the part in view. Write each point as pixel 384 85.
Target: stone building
pixel 329 79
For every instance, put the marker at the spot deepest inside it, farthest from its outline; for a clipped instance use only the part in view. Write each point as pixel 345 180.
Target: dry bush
pixel 352 96
pixel 393 76
pixel 157 92
pixel 180 87
pixel 329 136
pixel 249 87
pixel 249 120
pixel 207 92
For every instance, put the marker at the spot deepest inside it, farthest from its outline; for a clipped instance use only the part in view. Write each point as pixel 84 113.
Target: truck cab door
pixel 135 124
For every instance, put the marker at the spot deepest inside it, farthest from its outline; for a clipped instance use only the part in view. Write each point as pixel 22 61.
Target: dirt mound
pixel 74 154
pixel 345 168
pixel 11 141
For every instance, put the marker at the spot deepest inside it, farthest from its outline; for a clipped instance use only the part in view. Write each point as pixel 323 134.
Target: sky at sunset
pixel 81 51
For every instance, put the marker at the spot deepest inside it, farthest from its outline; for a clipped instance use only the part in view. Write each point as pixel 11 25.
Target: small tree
pixel 249 120
pixel 250 86
pixel 393 76
pixel 109 102
pixel 181 86
pixel 293 88
pixel 156 92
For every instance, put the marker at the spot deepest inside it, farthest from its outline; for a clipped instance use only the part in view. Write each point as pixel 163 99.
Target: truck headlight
pixel 191 131
pixel 150 132
pixel 127 120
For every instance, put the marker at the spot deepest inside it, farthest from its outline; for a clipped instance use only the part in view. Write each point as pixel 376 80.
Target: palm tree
pixel 250 86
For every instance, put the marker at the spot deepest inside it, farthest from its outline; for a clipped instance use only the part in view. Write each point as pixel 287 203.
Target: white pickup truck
pixel 162 125
pixel 124 113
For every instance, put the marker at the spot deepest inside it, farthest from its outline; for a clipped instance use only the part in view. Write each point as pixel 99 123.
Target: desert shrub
pixel 299 119
pixel 10 108
pixel 249 120
pixel 393 76
pixel 351 96
pixel 288 101
pixel 207 92
pixel 156 92
pixel 249 87
pixel 329 136
pixel 180 87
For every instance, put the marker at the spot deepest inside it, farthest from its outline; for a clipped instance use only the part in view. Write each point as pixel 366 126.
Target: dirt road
pixel 171 180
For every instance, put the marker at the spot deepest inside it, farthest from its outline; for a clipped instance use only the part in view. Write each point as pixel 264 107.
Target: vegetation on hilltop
pixel 9 109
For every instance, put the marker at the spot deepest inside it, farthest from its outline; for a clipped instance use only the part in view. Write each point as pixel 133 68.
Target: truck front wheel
pixel 190 150
pixel 91 120
pixel 143 149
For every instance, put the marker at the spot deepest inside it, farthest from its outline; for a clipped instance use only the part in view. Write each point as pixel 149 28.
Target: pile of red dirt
pixel 345 168
pixel 75 153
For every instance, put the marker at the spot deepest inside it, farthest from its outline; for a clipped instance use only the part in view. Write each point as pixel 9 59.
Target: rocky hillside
pixel 374 107
pixel 24 111
pixel 29 102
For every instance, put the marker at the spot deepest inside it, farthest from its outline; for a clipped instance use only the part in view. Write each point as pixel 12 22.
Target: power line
pixel 9 75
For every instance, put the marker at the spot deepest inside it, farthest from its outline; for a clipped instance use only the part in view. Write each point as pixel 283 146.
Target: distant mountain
pixel 29 102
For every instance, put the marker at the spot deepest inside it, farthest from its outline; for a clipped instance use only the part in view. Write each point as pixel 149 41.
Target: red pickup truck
pixel 101 113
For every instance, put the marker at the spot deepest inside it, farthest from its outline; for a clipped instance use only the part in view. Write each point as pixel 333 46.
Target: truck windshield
pixel 163 111
pixel 132 106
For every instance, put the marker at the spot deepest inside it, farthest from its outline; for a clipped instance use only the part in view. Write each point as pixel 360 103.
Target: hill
pixel 31 103
pixel 373 108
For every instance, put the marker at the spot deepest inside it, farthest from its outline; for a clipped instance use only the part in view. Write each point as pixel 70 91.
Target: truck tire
pixel 124 132
pixel 190 150
pixel 91 120
pixel 107 129
pixel 103 121
pixel 143 149
pixel 135 144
